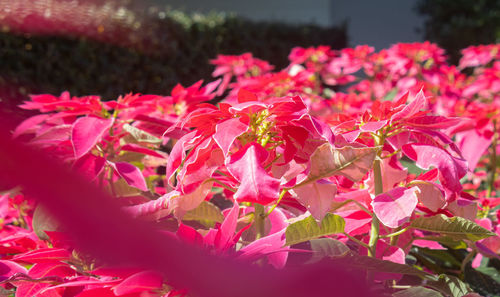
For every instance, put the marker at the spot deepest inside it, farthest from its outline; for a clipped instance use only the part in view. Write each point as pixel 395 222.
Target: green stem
pixel 110 180
pixel 401 287
pixel 395 233
pixel 274 160
pixel 259 220
pixel 356 240
pixel 379 189
pixel 222 173
pixel 493 160
pixel 220 183
pixel 392 154
pixel 467 259
pixel 394 239
pixel 351 201
pixel 282 194
pixel 375 226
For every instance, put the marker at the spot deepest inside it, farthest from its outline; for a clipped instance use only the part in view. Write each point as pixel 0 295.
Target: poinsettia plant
pixel 386 161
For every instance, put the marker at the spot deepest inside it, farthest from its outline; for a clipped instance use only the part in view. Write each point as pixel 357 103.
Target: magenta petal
pixel 132 147
pixel 389 253
pixel 29 289
pixel 178 153
pixel 29 125
pixel 472 145
pixel 89 165
pixel 256 185
pixel 226 231
pixel 154 208
pixel 44 255
pixel 451 169
pixel 131 174
pixel 356 221
pixel 272 246
pixel 428 244
pixel 190 235
pixel 139 282
pixel 414 107
pixel 432 122
pixel 395 207
pixel 86 132
pixel 9 268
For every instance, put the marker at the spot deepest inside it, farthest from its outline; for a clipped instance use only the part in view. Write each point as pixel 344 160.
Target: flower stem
pixel 467 259
pixel 282 194
pixel 110 181
pixel 259 220
pixel 375 226
pixel 356 240
pixel 379 189
pixel 220 183
pixel 493 160
pixel 351 201
pixel 394 234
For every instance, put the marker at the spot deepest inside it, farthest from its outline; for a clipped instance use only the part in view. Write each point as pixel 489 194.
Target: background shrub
pixel 457 24
pixel 110 49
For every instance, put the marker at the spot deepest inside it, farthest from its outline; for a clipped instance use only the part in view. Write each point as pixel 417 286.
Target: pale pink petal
pixel 227 131
pixel 472 145
pixel 430 195
pixel 317 197
pixel 395 207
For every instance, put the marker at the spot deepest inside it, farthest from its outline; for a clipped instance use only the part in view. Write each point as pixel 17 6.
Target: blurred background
pixel 115 47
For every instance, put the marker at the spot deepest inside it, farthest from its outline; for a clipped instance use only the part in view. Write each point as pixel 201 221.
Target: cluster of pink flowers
pixel 344 153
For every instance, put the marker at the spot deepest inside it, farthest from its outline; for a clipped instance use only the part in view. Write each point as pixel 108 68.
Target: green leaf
pixel 348 161
pixel 482 283
pixel 379 265
pixel 418 292
pixel 150 179
pixel 129 157
pixel 44 221
pixel 450 286
pixel 391 94
pixel 141 135
pixel 327 247
pixel 440 257
pixel 308 228
pixel 455 227
pixel 491 272
pixel 123 189
pixel 5 292
pixel 206 211
pixel 411 166
pixel 328 93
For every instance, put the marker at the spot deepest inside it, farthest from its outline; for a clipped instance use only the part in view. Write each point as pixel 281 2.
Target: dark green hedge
pixel 173 47
pixel 457 24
